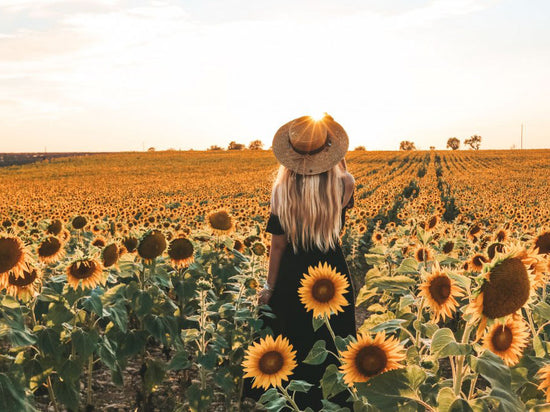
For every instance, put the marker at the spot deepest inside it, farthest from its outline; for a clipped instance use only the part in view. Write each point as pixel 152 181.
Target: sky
pixel 124 75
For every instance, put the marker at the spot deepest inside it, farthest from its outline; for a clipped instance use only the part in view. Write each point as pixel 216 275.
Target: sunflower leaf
pixel 317 354
pixel 299 386
pixel 408 266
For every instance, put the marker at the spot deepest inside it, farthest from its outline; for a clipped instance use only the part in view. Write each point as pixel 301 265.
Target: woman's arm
pixel 276 250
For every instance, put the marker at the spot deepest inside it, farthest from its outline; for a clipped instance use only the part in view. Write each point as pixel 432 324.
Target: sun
pixel 318 116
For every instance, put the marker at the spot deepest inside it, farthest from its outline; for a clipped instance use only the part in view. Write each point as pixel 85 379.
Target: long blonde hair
pixel 309 207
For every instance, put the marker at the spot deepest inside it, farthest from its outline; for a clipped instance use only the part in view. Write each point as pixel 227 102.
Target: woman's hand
pixel 265 295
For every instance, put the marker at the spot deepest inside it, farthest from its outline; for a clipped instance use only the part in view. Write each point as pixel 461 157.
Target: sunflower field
pixel 130 281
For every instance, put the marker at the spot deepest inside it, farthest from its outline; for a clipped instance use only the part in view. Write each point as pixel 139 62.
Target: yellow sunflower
pixel 221 222
pixel 27 286
pixel 323 289
pixel 440 292
pixel 507 285
pixel 89 271
pixel 13 255
pixel 50 250
pixel 269 361
pixel 423 254
pixel 369 357
pixel 181 252
pixel 542 243
pixel 544 375
pixel 507 340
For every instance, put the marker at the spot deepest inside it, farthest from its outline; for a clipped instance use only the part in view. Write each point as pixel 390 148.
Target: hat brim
pixel 311 164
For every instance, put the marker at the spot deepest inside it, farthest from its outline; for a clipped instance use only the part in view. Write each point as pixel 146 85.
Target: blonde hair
pixel 309 207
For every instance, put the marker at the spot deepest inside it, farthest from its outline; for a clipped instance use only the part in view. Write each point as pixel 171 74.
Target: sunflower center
pixel 502 338
pixel 10 253
pixel 271 362
pixel 507 289
pixel 152 245
pixel 25 280
pixel 49 247
pixel 83 269
pixel 220 220
pixel 180 249
pixel 440 289
pixel 371 360
pixel 543 243
pixel 323 290
pixel 448 247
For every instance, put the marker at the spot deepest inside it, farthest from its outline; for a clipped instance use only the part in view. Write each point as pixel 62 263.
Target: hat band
pixel 327 143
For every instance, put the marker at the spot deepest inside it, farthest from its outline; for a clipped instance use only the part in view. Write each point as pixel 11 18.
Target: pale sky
pixel 110 75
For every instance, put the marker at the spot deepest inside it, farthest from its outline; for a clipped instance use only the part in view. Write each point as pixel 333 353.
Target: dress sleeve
pixel 274 225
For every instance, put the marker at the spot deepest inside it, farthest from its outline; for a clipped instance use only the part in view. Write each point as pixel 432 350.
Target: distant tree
pixel 256 145
pixel 407 145
pixel 432 147
pixel 474 142
pixel 235 146
pixel 151 149
pixel 214 147
pixel 360 148
pixel 453 143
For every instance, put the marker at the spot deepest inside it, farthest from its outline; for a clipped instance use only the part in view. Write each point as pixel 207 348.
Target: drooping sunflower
pixel 13 255
pixel 258 248
pixel 220 221
pixel 27 286
pixel 544 375
pixel 87 270
pixel 476 262
pixel 423 254
pixel 151 245
pixel 440 292
pixel 448 246
pixel 322 290
pixel 493 248
pixel 55 227
pixel 542 243
pixel 506 285
pixel 502 235
pixel 269 361
pixel 181 252
pixel 507 340
pixel 131 243
pixel 432 222
pixel 368 357
pixel 50 250
pixel 79 222
pixel 110 255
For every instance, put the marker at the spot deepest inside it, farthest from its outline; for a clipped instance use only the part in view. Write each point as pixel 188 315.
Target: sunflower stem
pixel 89 383
pixel 289 398
pixel 460 361
pixel 419 317
pixel 330 330
pixel 472 387
pixel 52 394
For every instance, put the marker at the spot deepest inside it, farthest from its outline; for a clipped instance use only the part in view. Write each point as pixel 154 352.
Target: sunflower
pixel 269 361
pixel 50 250
pixel 27 286
pixel 181 252
pixel 221 222
pixel 507 340
pixel 323 289
pixel 110 255
pixel 501 235
pixel 13 255
pixel 448 246
pixel 507 284
pixel 476 262
pixel 151 245
pixel 368 357
pixel 440 292
pixel 493 249
pixel 430 223
pixel 55 227
pixel 474 232
pixel 423 254
pixel 258 248
pixel 130 243
pixel 238 245
pixel 542 243
pixel 79 222
pixel 89 271
pixel 544 375
pixel 377 238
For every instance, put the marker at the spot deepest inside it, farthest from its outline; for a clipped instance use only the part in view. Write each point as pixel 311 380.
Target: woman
pixel 309 198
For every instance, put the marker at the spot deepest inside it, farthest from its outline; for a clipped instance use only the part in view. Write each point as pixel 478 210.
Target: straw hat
pixel 308 146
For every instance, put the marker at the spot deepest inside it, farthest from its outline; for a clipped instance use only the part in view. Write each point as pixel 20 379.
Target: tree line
pixel 452 143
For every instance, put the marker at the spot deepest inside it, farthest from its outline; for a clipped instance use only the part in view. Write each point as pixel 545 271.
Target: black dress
pixel 292 320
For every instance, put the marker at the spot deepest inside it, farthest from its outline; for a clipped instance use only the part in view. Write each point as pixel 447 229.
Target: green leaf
pixel 12 395
pixel 542 309
pixel 328 406
pixel 119 316
pixel 365 293
pixel 66 393
pixel 180 361
pixel 390 325
pixel 154 374
pixel 299 386
pixel 317 354
pixel 396 284
pixel 408 266
pixel 317 322
pixel 332 382
pixel 199 400
pixel 93 303
pixel 374 259
pixel 444 344
pixel 445 399
pixel 85 343
pixel 269 395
